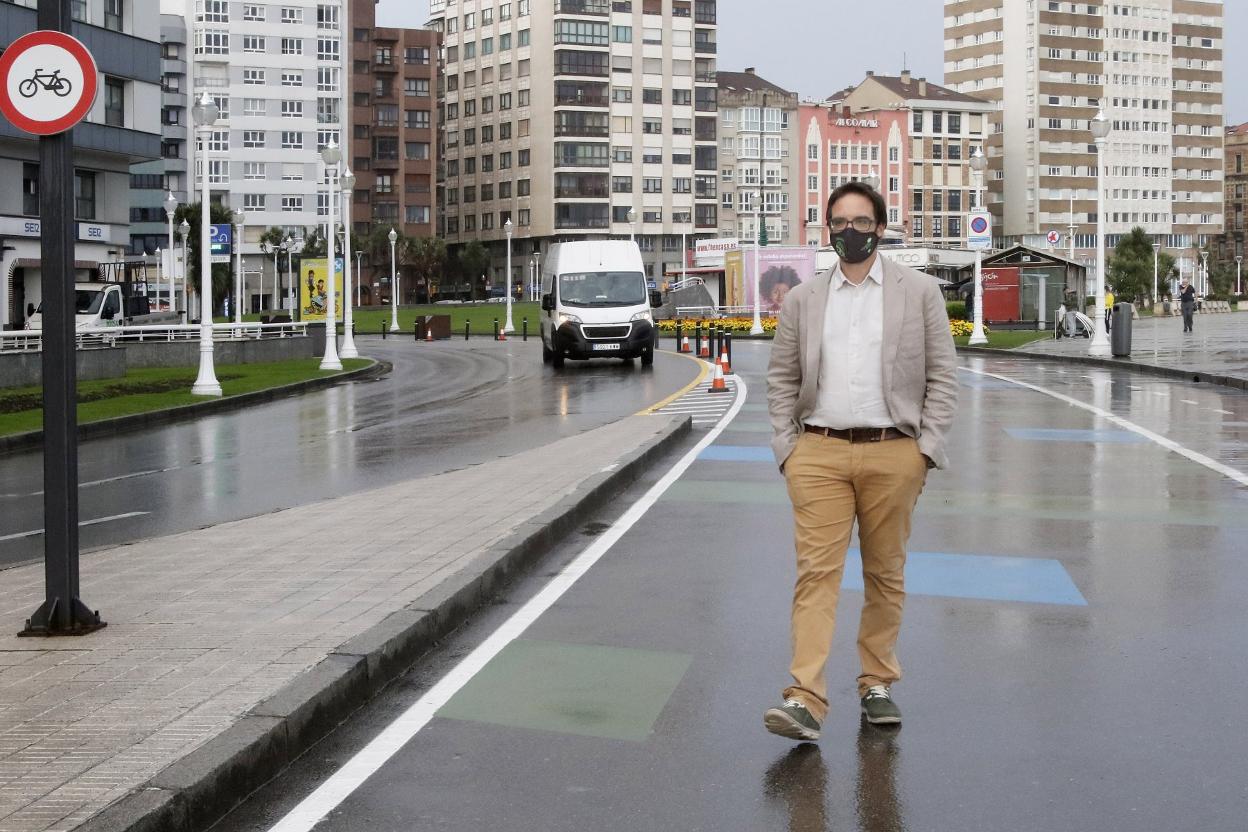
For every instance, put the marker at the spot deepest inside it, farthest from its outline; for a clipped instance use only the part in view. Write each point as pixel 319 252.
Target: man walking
pixel 861 392
pixel 1187 302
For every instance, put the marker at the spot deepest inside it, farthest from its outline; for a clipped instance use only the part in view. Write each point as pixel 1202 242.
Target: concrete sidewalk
pixel 248 641
pixel 1216 350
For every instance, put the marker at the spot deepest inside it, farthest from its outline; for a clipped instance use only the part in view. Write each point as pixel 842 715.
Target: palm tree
pixel 427 256
pixel 376 247
pixel 222 279
pixel 474 260
pixel 271 242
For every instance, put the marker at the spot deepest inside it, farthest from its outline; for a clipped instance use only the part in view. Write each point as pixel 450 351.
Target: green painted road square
pixel 584 689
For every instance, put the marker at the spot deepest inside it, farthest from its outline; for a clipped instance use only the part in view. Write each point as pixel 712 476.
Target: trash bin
pixel 1120 334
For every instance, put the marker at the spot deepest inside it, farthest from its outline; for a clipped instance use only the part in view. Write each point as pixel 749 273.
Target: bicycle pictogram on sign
pixel 50 81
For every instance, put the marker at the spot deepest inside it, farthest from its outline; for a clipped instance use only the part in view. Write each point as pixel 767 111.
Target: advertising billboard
pixel 781 268
pixel 314 289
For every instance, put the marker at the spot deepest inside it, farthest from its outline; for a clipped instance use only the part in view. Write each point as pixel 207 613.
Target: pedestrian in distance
pixel 861 392
pixel 1109 310
pixel 1187 301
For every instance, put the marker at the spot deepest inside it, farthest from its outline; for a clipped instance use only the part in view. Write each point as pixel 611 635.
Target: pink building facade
pixel 838 147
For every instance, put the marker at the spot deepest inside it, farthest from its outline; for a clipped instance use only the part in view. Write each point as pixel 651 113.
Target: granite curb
pixel 136 421
pixel 1194 376
pixel 196 791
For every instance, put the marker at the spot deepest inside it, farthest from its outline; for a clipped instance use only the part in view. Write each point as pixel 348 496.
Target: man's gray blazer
pixel 920 388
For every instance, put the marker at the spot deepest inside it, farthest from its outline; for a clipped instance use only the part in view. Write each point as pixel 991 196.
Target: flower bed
pixel 737 326
pixel 962 328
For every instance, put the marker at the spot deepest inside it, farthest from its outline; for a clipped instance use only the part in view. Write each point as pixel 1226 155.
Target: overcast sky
pixel 816 47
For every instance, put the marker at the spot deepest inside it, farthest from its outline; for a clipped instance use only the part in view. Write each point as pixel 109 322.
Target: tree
pixel 1130 267
pixel 474 259
pixel 222 279
pixel 427 257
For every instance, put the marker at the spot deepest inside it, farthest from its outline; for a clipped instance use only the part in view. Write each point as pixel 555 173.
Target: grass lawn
pixel 146 390
pixel 1006 339
pixel 369 319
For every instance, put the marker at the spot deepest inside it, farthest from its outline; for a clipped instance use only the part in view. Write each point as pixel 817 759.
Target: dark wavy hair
pixel 861 189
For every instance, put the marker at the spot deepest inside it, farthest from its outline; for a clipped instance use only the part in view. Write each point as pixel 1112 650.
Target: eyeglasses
pixel 864 225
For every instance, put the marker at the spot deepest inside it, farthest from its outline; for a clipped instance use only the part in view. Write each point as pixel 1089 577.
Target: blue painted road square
pixel 982 577
pixel 1101 437
pixel 738 453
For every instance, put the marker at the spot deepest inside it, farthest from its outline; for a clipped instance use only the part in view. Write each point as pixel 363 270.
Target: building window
pixel 253 43
pixel 211 11
pixel 292 109
pixel 113 14
pixel 84 195
pixel 30 189
pixel 253 11
pixel 292 202
pixel 327 49
pixel 418 55
pixel 292 15
pixel 253 138
pixel 253 202
pixel 292 46
pixel 253 77
pixel 416 151
pixel 253 170
pixel 115 102
pixel 327 79
pixel 292 140
pixel 212 42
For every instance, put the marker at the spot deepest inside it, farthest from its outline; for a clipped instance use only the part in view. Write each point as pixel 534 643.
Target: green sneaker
pixel 879 707
pixel 792 720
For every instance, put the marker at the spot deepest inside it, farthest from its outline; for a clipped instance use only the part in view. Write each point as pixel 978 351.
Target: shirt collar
pixel 876 273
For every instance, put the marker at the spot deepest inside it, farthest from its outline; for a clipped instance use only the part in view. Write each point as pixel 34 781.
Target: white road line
pixel 373 756
pixel 1188 401
pixel 97 521
pixel 1223 412
pixel 92 483
pixel 1169 444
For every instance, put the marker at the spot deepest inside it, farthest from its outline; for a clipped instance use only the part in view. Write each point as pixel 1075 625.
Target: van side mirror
pixel 548 303
pixel 656 298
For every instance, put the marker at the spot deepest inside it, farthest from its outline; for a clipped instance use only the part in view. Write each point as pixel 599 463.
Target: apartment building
pixel 1234 199
pixel 123 128
pixel 276 71
pixel 946 127
pixel 1153 66
pixel 393 144
pixel 568 116
pixel 152 182
pixel 843 146
pixel 758 134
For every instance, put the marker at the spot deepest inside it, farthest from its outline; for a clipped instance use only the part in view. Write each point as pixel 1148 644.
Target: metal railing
pixel 713 311
pixel 31 340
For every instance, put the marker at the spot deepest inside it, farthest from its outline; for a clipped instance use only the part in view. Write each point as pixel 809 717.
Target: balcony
pixel 592 131
pixel 586 7
pixel 705 48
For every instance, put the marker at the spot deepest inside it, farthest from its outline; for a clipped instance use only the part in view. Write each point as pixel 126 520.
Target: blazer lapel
pixel 894 315
pixel 816 313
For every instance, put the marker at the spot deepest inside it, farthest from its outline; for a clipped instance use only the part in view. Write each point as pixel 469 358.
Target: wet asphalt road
pixel 1073 647
pixel 445 405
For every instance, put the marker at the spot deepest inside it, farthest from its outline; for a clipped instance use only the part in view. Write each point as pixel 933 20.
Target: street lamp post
pixel 281 248
pixel 632 225
pixel 331 155
pixel 1100 339
pixel 1156 260
pixel 348 337
pixel 1239 272
pixel 393 237
pixel 289 245
pixel 1204 273
pixel 185 228
pixel 359 270
pixel 979 163
pixel 507 227
pixel 205 114
pixel 153 292
pixel 171 205
pixel 239 219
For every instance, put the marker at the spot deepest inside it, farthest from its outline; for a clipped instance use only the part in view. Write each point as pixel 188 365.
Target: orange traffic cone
pixel 502 334
pixel 718 385
pixel 704 347
pixel 723 362
pixel 428 330
pixel 684 344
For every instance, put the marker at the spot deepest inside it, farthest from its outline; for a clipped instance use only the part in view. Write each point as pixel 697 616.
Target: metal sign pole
pixel 62 613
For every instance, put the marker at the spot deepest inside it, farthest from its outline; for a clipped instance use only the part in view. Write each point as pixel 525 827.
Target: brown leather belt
pixel 856 435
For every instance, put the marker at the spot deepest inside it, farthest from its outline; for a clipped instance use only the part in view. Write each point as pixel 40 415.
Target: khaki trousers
pixel 831 483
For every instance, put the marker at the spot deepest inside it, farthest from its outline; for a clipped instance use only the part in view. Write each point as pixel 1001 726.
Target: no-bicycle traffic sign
pixel 48 82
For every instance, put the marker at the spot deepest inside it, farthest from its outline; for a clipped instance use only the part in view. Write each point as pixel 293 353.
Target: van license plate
pixel 606 346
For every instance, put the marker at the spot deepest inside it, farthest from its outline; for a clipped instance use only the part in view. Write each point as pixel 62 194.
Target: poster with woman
pixel 781 268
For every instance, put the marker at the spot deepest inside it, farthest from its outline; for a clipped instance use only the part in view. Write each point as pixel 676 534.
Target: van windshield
pixel 87 301
pixel 602 289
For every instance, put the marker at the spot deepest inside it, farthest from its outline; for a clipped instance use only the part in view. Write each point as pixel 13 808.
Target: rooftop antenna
pixel 905 61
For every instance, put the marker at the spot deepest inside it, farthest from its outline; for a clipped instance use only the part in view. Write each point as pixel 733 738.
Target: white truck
pixel 105 305
pixel 596 303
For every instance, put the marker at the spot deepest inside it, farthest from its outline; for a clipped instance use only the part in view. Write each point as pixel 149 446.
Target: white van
pixel 104 305
pixel 595 303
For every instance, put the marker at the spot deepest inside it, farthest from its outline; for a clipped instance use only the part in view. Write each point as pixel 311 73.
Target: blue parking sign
pixel 220 237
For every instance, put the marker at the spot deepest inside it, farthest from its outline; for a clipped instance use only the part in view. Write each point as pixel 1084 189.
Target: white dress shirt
pixel 851 366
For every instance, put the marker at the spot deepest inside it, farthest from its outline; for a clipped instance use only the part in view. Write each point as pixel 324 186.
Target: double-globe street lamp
pixel 979 163
pixel 1239 272
pixel 348 337
pixel 393 237
pixel 205 113
pixel 239 219
pixel 508 328
pixel 1100 338
pixel 288 246
pixel 185 228
pixel 331 156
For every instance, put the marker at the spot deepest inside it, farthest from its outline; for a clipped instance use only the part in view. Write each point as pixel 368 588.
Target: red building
pixel 840 147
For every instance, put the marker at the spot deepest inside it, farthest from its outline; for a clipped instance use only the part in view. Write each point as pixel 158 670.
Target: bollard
pixel 716 340
pixel 524 329
pixel 697 339
pixel 415 330
pixel 678 336
pixel 467 325
pixel 728 348
pixel 383 330
pixel 496 329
